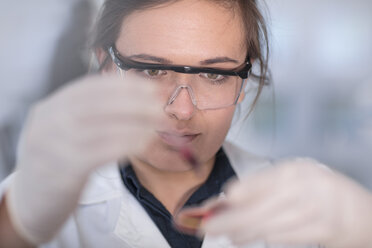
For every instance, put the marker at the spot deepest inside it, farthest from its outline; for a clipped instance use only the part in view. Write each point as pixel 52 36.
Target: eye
pixel 154 72
pixel 213 76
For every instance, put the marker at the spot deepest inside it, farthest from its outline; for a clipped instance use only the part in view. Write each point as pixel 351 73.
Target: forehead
pixel 184 31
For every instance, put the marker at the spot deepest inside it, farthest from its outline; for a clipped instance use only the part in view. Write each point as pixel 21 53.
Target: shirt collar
pixel 106 183
pixel 221 172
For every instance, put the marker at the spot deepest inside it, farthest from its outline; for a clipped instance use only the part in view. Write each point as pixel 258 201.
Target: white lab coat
pixel 109 216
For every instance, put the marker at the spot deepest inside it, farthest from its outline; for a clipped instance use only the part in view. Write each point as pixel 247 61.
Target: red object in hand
pixel 191 219
pixel 190 158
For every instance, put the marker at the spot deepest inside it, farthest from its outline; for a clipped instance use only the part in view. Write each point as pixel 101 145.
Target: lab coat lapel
pixel 211 242
pixel 133 227
pixel 136 228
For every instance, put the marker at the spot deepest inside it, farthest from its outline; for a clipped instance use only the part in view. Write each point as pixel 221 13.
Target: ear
pixel 100 55
pixel 102 58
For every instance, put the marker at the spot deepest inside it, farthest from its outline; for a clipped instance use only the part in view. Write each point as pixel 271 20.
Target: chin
pixel 164 158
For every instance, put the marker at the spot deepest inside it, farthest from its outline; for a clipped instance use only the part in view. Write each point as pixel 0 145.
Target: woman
pixel 183 65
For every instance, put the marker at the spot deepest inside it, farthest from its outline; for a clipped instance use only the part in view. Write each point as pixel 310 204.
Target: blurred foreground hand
pixel 297 202
pixel 90 122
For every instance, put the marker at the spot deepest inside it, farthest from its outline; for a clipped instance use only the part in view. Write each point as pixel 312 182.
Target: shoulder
pixel 104 184
pixel 4 185
pixel 243 161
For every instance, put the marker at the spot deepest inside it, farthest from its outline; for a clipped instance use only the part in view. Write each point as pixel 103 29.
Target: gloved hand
pixel 297 202
pixel 91 122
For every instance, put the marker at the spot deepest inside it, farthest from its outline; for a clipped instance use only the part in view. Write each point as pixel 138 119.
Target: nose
pixel 181 104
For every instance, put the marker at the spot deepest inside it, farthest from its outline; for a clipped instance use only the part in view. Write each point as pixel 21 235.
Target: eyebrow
pixel 167 61
pixel 219 60
pixel 150 58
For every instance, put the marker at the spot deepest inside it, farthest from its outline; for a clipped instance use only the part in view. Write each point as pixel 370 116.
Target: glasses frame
pixel 243 71
pixel 125 63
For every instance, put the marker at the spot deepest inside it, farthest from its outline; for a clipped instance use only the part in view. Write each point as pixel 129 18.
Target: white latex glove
pixel 297 202
pixel 91 122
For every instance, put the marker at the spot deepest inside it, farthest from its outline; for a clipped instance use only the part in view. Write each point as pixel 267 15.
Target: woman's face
pixel 186 33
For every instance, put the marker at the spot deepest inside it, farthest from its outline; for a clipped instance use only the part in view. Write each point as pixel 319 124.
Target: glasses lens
pixel 211 91
pixel 216 91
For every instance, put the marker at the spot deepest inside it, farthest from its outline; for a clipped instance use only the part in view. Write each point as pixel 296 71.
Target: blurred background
pixel 320 104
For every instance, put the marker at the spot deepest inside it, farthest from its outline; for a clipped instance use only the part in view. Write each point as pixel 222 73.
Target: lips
pixel 177 139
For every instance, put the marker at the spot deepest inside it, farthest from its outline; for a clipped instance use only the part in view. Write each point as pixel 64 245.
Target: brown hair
pixel 114 12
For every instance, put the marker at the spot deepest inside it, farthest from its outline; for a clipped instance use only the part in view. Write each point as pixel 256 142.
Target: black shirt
pixel 221 172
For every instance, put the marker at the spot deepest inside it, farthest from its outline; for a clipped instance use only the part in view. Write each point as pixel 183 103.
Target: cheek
pixel 218 123
pixel 219 120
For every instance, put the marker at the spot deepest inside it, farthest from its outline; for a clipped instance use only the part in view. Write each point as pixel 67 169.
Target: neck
pixel 170 188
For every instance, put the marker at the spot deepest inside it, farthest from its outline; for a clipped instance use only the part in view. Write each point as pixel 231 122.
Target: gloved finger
pixel 286 221
pixel 251 188
pixel 248 215
pixel 140 116
pixel 96 86
pixel 106 146
pixel 310 234
pixel 92 95
pixel 287 173
pixel 89 109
